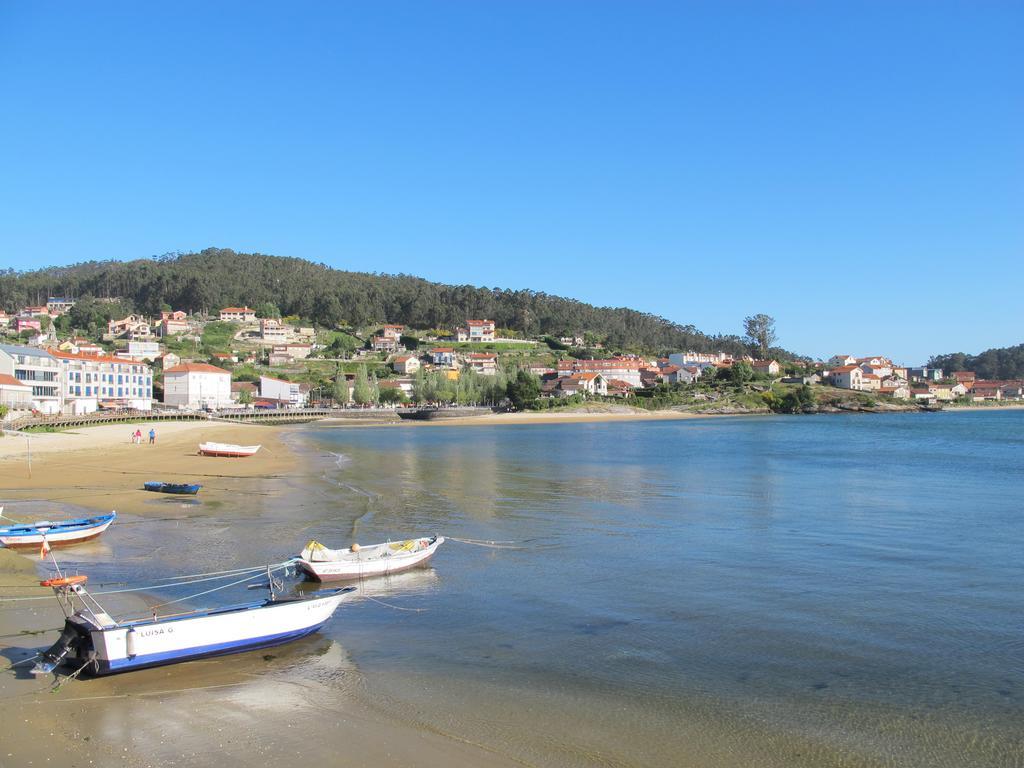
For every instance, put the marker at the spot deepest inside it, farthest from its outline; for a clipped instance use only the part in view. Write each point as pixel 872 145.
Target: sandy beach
pixel 235 710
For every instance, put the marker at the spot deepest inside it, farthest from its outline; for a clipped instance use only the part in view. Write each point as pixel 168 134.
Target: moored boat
pixel 185 489
pixel 322 564
pixel 93 643
pixel 56 533
pixel 227 449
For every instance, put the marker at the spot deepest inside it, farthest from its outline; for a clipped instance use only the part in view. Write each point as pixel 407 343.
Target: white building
pixel 197 385
pixel 37 369
pixel 683 359
pixel 484 363
pixel 846 377
pixel 288 393
pixel 273 332
pixel 143 350
pixel 90 380
pixel 481 330
pixel 406 364
pixel 15 395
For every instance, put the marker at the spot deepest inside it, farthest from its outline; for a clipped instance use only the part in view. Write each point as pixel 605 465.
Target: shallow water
pixel 820 591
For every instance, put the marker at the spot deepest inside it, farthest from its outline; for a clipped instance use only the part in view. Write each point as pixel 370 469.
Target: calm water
pixel 820 591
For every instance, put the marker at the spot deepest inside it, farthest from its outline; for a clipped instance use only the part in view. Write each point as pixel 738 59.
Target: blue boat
pixel 55 532
pixel 183 489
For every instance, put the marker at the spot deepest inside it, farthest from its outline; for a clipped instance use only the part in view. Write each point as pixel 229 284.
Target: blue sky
pixel 855 170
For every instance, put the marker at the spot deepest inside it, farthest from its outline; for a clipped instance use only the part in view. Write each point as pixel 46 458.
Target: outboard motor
pixel 72 642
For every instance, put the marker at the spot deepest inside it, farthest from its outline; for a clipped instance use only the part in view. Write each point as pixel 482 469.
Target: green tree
pixel 245 397
pixel 741 372
pixel 523 390
pixel 269 310
pixel 392 395
pixel 361 393
pixel 760 330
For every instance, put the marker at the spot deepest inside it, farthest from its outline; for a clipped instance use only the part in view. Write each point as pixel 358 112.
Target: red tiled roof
pixel 6 380
pixel 482 356
pixel 480 322
pixel 238 309
pixel 196 368
pixel 91 358
pixel 845 369
pixel 437 350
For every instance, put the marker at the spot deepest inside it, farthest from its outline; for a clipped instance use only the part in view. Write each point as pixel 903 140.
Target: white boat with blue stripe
pixel 93 643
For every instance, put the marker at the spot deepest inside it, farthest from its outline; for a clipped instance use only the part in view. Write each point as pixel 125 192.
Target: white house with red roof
pixel 480 330
pixel 771 367
pixel 197 385
pixel 846 377
pixel 406 364
pixel 484 363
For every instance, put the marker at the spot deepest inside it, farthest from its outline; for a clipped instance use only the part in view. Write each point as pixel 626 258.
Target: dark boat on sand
pixel 182 489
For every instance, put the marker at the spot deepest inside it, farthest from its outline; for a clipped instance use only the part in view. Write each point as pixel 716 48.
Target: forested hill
pixel 214 278
pixel 999 363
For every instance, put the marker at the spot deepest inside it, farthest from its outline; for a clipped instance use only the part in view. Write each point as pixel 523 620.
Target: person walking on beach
pixel 138 437
pixel 152 436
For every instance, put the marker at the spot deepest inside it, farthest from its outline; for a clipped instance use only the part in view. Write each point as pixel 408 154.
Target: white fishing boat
pixel 93 643
pixel 227 449
pixel 323 564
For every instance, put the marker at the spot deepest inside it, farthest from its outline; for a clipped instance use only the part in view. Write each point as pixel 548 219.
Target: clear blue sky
pixel 854 169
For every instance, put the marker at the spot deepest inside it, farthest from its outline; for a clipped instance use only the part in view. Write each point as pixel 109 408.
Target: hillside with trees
pixel 998 363
pixel 204 282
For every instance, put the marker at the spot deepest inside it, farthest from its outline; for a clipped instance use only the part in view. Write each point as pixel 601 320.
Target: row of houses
pixel 54 381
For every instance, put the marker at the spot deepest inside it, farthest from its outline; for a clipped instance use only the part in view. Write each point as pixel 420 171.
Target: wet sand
pixel 271 706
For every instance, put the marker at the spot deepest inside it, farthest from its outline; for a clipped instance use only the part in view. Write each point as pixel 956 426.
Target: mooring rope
pixel 482 543
pixel 184 581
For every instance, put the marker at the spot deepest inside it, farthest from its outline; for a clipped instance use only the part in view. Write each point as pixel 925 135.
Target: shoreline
pixel 243 708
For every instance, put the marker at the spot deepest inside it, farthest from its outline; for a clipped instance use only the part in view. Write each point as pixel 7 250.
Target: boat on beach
pixel 322 564
pixel 184 489
pixel 56 533
pixel 93 643
pixel 227 449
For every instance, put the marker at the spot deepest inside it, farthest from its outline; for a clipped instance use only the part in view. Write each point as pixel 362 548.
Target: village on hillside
pixel 243 358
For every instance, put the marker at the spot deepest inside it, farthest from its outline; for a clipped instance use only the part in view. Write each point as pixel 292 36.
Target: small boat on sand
pixel 227 449
pixel 322 564
pixel 93 643
pixel 56 533
pixel 184 489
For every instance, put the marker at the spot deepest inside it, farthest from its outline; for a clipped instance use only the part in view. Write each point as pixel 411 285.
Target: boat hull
pixel 57 535
pixel 128 647
pixel 181 489
pixel 228 450
pixel 331 570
